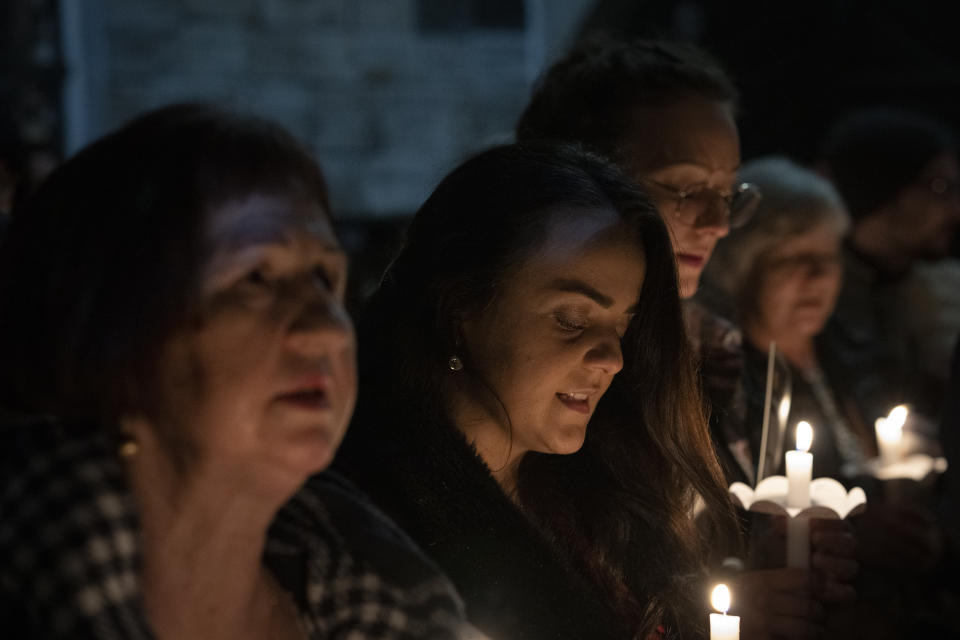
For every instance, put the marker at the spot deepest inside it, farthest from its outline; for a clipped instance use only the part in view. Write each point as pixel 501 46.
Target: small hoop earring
pixel 128 447
pixel 455 363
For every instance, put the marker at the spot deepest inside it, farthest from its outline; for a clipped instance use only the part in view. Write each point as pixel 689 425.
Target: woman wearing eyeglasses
pixel 666 113
pixel 783 270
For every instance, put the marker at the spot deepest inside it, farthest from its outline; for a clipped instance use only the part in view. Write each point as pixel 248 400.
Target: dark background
pixel 391 94
pixel 800 65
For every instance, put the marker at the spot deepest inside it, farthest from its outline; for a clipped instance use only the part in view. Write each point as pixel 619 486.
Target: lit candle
pixel 890 434
pixel 800 468
pixel 722 626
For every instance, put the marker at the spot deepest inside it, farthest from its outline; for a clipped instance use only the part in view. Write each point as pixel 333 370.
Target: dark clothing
pixel 950 443
pixel 514 582
pixel 70 550
pixel 734 376
pixel 867 334
pixel 718 344
pixel 839 437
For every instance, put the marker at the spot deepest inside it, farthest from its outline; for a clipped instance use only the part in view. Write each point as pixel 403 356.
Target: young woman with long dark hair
pixel 528 407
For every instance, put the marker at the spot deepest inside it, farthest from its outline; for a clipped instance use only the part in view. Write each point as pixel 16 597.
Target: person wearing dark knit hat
pixel 898 174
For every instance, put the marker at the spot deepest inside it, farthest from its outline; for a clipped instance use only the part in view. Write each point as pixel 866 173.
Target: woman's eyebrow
pixel 691 163
pixel 572 285
pixel 245 236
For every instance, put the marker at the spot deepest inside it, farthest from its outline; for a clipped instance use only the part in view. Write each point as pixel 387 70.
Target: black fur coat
pixel 432 482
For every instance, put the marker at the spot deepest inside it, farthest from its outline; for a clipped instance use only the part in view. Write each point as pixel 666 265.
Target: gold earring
pixel 128 447
pixel 455 363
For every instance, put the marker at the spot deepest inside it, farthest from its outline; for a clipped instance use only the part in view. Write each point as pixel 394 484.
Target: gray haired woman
pixel 782 273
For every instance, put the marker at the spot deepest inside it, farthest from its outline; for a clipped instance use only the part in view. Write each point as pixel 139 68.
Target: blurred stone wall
pixel 31 77
pixel 389 94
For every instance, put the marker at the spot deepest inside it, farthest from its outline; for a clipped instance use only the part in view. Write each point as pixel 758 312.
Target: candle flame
pixel 720 598
pixel 897 417
pixel 804 436
pixel 783 409
pixel 889 430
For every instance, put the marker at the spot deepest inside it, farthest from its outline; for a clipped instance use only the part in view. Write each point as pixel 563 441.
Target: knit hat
pixel 871 155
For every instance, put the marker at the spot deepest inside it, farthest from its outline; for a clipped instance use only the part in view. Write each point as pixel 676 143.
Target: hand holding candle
pixel 722 626
pixel 890 434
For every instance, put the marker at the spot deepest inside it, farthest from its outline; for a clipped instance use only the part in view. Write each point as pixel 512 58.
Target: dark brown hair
pixel 587 96
pixel 103 264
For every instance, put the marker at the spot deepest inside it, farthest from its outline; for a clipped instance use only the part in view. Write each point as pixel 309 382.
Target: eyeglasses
pixel 944 187
pixel 703 206
pixel 813 263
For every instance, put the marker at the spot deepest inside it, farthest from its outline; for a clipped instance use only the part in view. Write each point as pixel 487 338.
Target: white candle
pixel 798 542
pixel 890 435
pixel 722 626
pixel 800 468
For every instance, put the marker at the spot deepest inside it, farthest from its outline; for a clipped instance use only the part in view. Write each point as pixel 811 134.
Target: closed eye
pixel 569 324
pixel 322 275
pixel 702 189
pixel 693 190
pixel 256 277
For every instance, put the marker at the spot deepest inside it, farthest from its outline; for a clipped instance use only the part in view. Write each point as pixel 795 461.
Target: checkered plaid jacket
pixel 70 551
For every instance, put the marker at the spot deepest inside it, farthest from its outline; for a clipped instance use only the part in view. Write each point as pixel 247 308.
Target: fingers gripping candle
pixel 722 626
pixel 798 542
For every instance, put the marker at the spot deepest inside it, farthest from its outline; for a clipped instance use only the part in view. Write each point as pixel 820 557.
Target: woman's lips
pixel 579 402
pixel 309 399
pixel 690 259
pixel 311 392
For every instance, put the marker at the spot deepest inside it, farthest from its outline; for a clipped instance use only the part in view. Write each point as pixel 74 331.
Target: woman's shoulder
pixel 69 549
pixel 337 552
pixel 45 462
pixel 55 474
pixel 514 581
pixel 415 470
pixel 366 530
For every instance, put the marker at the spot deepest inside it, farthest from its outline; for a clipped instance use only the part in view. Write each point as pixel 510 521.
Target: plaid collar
pixel 70 550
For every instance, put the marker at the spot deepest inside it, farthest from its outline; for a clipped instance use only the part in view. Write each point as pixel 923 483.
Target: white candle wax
pixel 798 542
pixel 722 626
pixel 890 435
pixel 800 468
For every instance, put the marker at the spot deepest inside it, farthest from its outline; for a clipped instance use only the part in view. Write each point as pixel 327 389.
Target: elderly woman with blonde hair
pixel 782 273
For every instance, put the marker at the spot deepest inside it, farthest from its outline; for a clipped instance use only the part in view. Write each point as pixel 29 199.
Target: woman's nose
pixel 715 218
pixel 606 354
pixel 320 323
